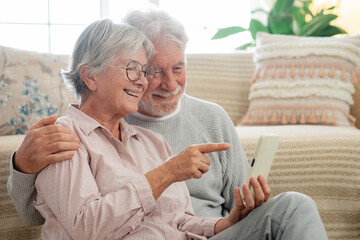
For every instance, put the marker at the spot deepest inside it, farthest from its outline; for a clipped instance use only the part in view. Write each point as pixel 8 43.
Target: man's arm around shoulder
pixel 45 143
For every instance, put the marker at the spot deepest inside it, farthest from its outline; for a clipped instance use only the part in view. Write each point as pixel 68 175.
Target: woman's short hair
pixel 98 45
pixel 157 24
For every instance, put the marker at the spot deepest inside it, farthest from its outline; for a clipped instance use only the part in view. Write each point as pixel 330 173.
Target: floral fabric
pixel 31 87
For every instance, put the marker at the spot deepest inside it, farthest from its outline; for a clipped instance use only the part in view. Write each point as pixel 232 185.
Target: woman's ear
pixel 88 79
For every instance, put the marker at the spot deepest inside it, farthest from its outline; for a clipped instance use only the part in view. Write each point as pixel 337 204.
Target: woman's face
pixel 115 93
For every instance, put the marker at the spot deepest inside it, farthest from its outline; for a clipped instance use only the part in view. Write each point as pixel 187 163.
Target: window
pixel 54 25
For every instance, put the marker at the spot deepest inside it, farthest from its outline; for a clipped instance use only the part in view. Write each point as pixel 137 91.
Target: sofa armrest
pixel 11 225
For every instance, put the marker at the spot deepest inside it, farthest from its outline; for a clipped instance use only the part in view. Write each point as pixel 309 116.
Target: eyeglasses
pixel 134 70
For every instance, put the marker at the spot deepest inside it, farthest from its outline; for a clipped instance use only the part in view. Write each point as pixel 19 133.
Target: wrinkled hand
pixel 243 206
pixel 45 143
pixel 192 162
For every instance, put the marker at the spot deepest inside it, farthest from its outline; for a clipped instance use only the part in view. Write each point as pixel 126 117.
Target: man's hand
pixel 43 144
pixel 243 206
pixel 190 163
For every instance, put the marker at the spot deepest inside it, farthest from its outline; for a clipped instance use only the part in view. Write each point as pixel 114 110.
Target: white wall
pixel 349 16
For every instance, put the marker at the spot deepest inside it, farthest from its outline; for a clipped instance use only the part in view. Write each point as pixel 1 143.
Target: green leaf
pixel 306 7
pixel 318 23
pixel 245 46
pixel 255 27
pixel 280 23
pixel 330 31
pixel 282 6
pixel 224 32
pixel 299 18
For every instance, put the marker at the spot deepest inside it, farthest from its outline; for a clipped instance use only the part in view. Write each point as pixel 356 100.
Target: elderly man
pixel 182 120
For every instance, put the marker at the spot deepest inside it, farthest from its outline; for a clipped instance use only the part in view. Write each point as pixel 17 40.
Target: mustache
pixel 165 93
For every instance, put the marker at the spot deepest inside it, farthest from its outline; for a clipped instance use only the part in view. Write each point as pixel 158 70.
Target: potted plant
pixel 289 17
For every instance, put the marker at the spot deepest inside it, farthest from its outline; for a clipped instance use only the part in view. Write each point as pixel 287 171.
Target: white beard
pixel 161 108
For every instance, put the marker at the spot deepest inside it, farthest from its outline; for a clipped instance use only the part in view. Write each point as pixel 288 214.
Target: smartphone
pixel 263 157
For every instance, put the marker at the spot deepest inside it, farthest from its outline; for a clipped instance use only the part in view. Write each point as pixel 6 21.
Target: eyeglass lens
pixel 134 70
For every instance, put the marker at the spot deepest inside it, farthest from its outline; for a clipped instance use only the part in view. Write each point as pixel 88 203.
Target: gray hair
pixel 157 24
pixel 98 45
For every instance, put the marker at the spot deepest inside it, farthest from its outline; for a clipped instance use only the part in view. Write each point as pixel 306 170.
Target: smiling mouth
pixel 164 97
pixel 131 93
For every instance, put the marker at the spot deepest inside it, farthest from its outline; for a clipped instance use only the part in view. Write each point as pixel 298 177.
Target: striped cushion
pixel 303 80
pixel 320 161
pixel 11 225
pixel 221 78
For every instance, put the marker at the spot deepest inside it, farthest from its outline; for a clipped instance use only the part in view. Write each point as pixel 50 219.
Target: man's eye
pixel 177 69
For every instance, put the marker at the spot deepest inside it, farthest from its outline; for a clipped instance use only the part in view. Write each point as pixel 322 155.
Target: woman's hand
pixel 243 206
pixel 190 163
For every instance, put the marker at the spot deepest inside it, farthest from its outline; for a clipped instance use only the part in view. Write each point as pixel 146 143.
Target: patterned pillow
pixel 31 87
pixel 355 109
pixel 303 80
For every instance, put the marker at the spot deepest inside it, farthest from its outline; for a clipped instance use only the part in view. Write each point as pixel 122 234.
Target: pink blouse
pixel 102 193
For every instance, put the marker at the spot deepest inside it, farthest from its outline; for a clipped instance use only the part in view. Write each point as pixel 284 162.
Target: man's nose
pixel 168 81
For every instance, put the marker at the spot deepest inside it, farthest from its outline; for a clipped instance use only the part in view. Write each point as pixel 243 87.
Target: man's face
pixel 163 95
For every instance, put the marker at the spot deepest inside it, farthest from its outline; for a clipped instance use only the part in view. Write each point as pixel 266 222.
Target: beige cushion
pixel 221 78
pixel 11 225
pixel 30 88
pixel 320 161
pixel 303 80
pixel 355 109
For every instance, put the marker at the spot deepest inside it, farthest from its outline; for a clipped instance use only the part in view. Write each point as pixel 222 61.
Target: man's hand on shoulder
pixel 45 143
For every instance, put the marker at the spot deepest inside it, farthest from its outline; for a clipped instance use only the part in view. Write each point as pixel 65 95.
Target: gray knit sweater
pixel 200 122
pixel 196 122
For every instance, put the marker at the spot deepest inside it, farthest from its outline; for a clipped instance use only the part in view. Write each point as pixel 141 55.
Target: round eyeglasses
pixel 134 70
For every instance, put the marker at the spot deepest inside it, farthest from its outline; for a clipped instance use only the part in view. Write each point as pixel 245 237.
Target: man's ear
pixel 88 79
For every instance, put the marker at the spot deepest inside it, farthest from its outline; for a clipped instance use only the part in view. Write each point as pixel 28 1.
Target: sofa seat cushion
pixel 320 161
pixel 11 225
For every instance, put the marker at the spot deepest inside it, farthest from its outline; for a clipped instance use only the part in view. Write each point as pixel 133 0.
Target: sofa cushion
pixel 221 78
pixel 303 80
pixel 11 225
pixel 320 161
pixel 355 108
pixel 31 87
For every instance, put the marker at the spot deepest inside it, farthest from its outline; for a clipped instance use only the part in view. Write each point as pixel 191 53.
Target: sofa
pixel 320 160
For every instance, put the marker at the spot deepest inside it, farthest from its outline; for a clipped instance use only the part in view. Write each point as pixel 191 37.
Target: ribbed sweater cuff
pixel 20 179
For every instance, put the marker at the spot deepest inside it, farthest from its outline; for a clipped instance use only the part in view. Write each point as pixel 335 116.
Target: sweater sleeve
pixel 235 164
pixel 21 188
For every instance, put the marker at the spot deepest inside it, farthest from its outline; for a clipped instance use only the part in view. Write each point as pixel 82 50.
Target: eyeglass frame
pixel 127 68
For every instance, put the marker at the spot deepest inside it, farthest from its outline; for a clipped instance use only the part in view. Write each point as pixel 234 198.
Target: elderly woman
pixel 122 182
